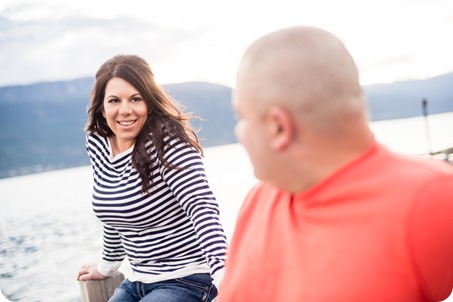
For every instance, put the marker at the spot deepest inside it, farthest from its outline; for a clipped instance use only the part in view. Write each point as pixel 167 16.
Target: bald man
pixel 336 216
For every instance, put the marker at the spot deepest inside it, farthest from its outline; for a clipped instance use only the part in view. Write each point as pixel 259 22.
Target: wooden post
pixel 100 290
pixel 425 114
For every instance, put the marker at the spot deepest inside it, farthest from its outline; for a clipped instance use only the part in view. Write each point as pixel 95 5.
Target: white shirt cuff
pixel 108 268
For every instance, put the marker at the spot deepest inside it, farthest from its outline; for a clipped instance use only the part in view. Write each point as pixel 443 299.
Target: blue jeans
pixel 193 288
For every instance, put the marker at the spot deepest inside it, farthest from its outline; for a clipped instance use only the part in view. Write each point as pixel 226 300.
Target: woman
pixel 150 190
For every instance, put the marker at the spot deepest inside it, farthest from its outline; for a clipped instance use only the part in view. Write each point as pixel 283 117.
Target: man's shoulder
pixel 414 166
pixel 259 199
pixel 263 191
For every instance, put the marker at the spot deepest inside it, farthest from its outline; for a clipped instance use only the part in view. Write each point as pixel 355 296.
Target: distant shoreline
pixel 412 128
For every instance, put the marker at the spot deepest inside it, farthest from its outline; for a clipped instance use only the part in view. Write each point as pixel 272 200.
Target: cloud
pixel 50 49
pixel 204 39
pixel 449 3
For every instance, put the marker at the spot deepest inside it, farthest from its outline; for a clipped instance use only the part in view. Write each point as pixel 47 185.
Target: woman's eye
pixel 113 100
pixel 136 99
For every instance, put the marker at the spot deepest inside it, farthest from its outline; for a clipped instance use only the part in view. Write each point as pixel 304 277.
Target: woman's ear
pixel 281 128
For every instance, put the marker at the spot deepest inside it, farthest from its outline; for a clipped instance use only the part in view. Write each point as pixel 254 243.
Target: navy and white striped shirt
pixel 171 232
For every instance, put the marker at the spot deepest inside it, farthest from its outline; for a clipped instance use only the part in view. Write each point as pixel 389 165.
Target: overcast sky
pixel 203 40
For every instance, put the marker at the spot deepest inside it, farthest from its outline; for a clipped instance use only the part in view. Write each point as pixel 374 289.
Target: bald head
pixel 309 72
pixel 301 111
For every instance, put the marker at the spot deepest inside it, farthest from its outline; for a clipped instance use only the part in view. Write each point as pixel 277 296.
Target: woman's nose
pixel 125 107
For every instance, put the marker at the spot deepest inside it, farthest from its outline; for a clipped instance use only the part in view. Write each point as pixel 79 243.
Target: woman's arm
pixel 191 188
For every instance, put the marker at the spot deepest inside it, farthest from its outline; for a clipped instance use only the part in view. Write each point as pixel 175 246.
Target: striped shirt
pixel 172 231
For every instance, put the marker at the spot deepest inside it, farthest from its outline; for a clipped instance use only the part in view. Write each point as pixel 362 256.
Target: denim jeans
pixel 193 288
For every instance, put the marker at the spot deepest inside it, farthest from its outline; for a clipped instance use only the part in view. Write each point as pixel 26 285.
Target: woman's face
pixel 125 112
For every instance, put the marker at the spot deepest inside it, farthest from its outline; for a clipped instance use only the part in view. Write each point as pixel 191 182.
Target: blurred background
pixel 51 49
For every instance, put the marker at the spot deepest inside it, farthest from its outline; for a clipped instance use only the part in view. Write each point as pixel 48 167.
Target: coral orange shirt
pixel 379 229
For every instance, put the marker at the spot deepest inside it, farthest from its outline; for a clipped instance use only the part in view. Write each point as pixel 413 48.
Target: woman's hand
pixel 89 272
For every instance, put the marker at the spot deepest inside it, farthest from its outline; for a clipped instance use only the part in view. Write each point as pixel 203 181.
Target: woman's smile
pixel 126 123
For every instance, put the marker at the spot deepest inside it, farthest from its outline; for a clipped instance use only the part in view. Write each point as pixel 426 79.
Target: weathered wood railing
pixel 446 154
pixel 100 290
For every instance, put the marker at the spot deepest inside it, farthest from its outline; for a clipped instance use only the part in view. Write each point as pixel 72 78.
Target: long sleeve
pixel 113 252
pixel 190 186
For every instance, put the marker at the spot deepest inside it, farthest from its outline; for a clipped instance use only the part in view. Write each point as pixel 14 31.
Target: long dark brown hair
pixel 165 116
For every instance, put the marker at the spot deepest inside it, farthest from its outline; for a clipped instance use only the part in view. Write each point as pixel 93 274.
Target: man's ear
pixel 281 127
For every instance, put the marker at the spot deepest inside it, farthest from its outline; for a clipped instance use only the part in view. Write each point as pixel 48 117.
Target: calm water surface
pixel 47 228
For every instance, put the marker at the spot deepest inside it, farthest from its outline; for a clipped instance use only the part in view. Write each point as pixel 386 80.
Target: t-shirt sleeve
pixel 431 238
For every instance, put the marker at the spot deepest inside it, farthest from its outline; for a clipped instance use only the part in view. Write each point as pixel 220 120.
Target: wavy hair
pixel 165 116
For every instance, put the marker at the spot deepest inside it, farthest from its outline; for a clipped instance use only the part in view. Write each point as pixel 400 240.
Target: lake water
pixel 48 230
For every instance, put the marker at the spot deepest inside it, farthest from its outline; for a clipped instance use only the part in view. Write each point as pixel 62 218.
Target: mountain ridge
pixel 41 124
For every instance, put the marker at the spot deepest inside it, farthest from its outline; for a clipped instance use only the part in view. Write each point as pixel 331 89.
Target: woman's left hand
pixel 89 272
